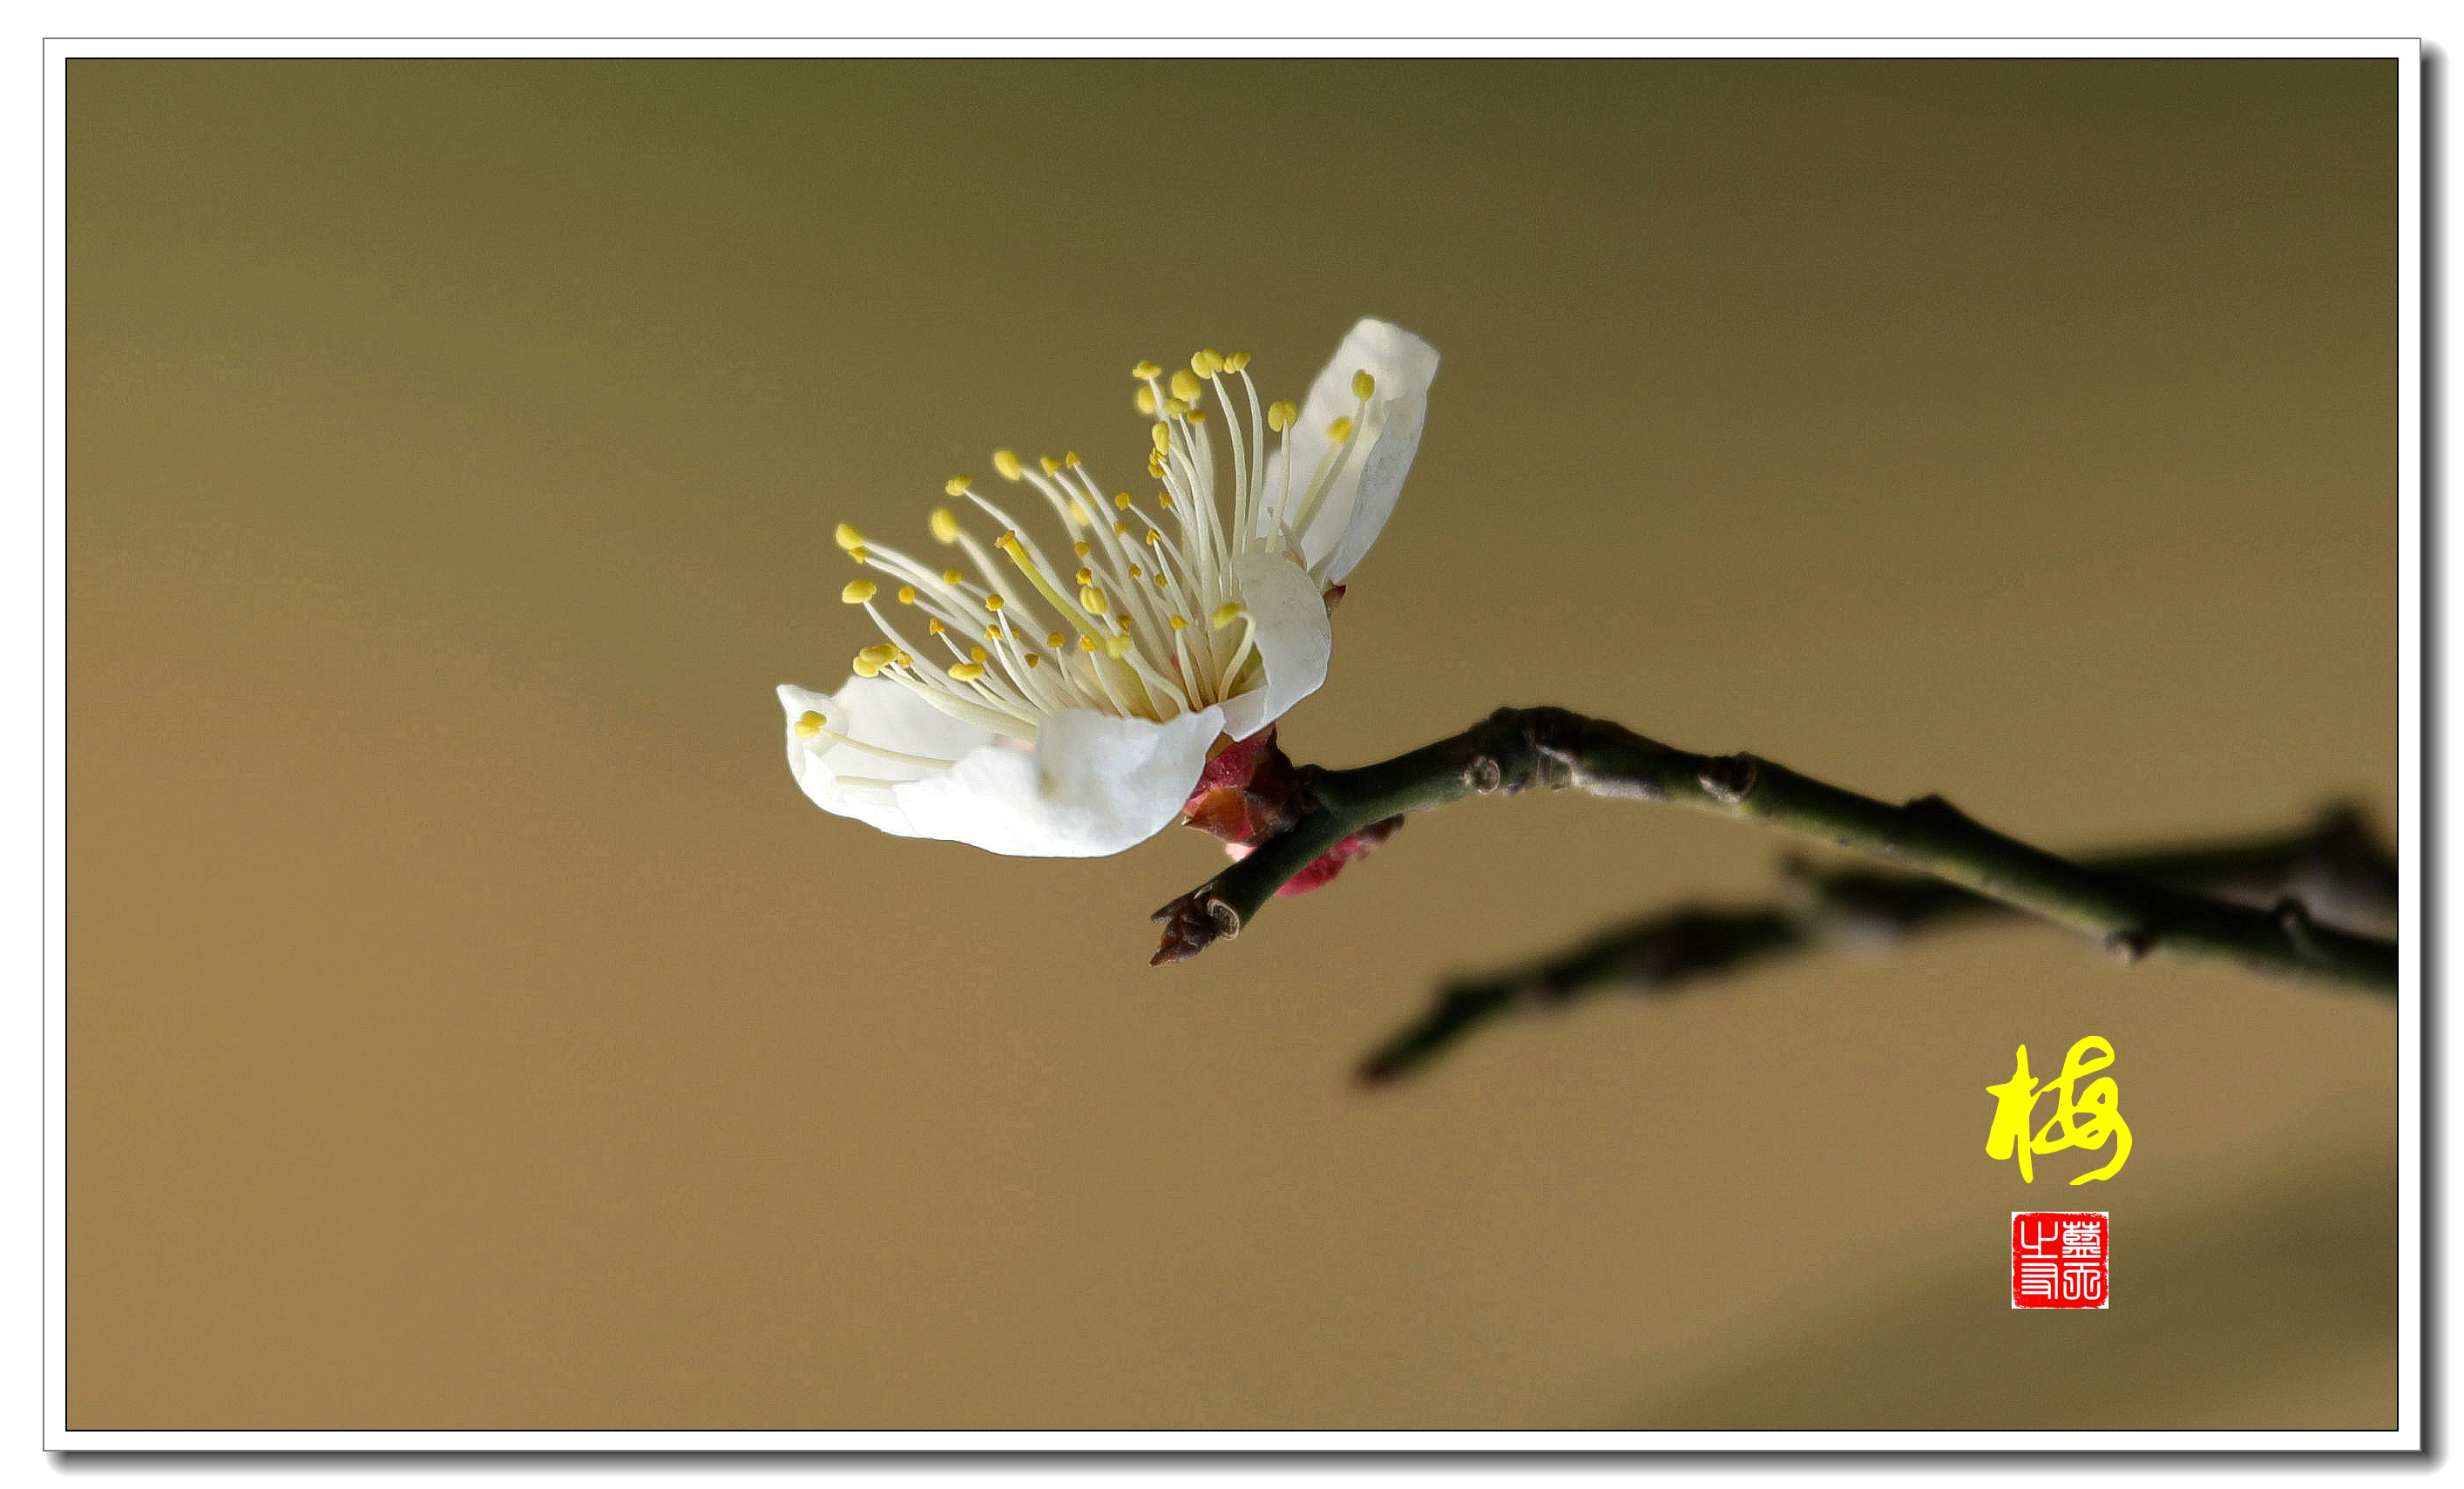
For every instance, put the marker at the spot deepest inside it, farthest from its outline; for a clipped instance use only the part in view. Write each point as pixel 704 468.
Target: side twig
pixel 1519 749
pixel 2335 866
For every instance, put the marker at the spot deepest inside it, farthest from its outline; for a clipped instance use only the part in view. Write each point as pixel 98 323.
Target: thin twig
pixel 1518 749
pixel 2334 865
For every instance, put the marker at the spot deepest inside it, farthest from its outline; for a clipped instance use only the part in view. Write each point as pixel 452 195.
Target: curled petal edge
pixel 1295 641
pixel 1363 492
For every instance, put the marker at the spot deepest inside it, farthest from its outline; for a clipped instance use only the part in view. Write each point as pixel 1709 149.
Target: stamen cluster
pixel 1145 619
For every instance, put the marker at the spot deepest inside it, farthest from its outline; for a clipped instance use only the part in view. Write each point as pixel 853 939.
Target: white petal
pixel 1090 785
pixel 1363 493
pixel 880 712
pixel 1294 640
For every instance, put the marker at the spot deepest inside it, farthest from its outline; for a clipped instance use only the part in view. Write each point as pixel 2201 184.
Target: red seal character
pixel 2061 1258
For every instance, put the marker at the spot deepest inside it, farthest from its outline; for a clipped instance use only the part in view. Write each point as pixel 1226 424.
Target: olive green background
pixel 471 1025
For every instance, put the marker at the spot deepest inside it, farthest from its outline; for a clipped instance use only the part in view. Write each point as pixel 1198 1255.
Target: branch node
pixel 1934 806
pixel 1728 778
pixel 2130 947
pixel 2347 875
pixel 2294 919
pixel 1484 774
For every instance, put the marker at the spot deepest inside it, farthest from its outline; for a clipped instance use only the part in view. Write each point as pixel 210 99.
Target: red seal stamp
pixel 2061 1258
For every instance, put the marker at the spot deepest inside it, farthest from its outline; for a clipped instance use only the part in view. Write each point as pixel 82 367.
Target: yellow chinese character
pixel 2085 1123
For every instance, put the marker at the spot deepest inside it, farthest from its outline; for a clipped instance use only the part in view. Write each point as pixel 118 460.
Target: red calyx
pixel 1250 791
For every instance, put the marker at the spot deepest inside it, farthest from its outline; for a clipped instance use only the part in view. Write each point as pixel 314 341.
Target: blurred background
pixel 472 1026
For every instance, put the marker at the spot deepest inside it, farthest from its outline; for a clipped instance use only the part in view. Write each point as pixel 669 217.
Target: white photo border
pixel 2407 1437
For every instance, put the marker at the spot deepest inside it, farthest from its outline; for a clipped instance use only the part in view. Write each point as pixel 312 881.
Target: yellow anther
pixel 1154 539
pixel 1197 416
pixel 1032 660
pixel 1082 550
pixel 906 593
pixel 1155 466
pixel 977 654
pixel 1091 600
pixel 933 626
pixel 1176 408
pixel 994 601
pixel 906 660
pixel 1122 620
pixel 882 653
pixel 1007 543
pixel 858 553
pixel 1121 499
pixel 858 591
pixel 1238 362
pixel 1164 497
pixel 1085 643
pixel 1281 414
pixel 1054 638
pixel 1145 400
pixel 1363 384
pixel 966 672
pixel 1005 461
pixel 1078 513
pixel 809 724
pixel 957 485
pixel 865 666
pixel 1069 458
pixel 1226 613
pixel 1206 363
pixel 1145 370
pixel 1120 527
pixel 945 524
pixel 1340 430
pixel 1185 385
pixel 1162 435
pixel 1118 646
pixel 1159 582
pixel 1051 467
pixel 1181 623
pixel 951 576
pixel 849 538
pixel 1086 576
pixel 992 633
pixel 1136 573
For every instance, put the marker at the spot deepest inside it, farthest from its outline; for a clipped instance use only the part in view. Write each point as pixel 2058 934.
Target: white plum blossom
pixel 1063 702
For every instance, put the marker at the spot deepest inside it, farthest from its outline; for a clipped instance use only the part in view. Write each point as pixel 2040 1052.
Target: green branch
pixel 1521 749
pixel 2335 866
